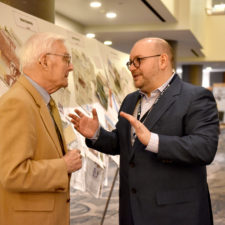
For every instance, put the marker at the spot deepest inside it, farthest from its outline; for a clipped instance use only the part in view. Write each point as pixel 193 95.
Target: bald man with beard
pixel 166 134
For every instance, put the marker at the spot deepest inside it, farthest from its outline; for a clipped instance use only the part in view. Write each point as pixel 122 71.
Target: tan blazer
pixel 34 184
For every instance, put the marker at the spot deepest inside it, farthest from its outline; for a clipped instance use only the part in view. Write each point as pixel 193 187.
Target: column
pixel 192 74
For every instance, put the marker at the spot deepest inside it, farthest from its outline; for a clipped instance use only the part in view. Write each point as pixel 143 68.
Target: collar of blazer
pixel 44 112
pixel 166 101
pixel 132 98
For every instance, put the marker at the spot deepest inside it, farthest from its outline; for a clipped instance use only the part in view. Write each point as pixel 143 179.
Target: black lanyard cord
pixel 155 102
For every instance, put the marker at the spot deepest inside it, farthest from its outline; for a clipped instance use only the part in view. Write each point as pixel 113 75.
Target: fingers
pixel 72 116
pixel 129 117
pixel 78 153
pixel 76 118
pixel 76 150
pixel 79 113
pixel 133 121
pixel 73 160
pixel 141 131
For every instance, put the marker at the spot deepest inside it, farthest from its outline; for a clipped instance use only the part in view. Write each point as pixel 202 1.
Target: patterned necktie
pixel 57 120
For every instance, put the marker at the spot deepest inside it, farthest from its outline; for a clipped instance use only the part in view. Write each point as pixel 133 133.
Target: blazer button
pixel 133 190
pixel 132 164
pixel 68 200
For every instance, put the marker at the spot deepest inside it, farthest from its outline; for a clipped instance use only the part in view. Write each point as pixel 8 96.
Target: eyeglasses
pixel 65 57
pixel 137 61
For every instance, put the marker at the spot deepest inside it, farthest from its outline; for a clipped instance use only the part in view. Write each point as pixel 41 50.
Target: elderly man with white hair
pixel 35 162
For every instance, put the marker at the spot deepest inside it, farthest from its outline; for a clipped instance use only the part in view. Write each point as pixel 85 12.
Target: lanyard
pixel 157 99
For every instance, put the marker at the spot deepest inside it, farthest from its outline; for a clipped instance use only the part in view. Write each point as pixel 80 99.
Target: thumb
pixel 128 117
pixel 133 121
pixel 95 115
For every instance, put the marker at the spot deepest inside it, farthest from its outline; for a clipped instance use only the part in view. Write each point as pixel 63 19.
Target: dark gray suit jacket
pixel 168 188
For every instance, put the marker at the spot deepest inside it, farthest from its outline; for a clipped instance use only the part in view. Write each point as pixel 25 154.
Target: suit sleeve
pixel 198 145
pixel 21 169
pixel 107 142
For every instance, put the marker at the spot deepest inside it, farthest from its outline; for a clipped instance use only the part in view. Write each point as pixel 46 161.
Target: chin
pixel 137 85
pixel 66 85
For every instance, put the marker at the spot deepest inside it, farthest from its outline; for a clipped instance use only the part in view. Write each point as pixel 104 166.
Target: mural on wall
pixel 9 61
pixel 120 80
pixel 219 94
pixel 84 77
pixel 91 86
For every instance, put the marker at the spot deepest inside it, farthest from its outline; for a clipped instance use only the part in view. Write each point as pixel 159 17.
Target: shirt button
pixel 133 190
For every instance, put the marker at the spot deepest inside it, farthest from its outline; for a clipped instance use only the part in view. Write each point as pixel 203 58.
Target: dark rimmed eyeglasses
pixel 65 57
pixel 137 61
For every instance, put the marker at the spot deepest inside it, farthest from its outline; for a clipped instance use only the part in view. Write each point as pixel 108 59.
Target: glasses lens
pixel 67 58
pixel 136 62
pixel 128 64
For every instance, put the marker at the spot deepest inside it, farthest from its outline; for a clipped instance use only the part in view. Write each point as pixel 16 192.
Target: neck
pixel 37 77
pixel 155 84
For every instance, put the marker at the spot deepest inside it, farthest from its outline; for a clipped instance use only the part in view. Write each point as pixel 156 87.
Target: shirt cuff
pixel 96 135
pixel 153 144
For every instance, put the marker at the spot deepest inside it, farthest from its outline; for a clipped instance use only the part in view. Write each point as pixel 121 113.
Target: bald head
pixel 151 63
pixel 156 46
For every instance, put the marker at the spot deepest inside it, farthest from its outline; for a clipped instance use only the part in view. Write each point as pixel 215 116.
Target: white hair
pixel 36 45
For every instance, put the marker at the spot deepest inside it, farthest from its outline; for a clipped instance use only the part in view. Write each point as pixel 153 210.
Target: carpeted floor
pixel 216 180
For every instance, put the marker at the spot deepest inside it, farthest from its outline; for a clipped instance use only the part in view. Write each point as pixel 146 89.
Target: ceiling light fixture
pixel 107 43
pixel 90 35
pixel 95 4
pixel 111 15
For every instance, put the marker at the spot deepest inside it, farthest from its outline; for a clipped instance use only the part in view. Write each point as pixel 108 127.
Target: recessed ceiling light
pixel 90 35
pixel 111 15
pixel 95 4
pixel 107 43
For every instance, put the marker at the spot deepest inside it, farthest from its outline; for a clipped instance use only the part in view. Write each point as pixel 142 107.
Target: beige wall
pixel 215 38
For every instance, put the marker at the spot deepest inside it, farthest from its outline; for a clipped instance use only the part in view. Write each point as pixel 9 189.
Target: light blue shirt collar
pixel 45 95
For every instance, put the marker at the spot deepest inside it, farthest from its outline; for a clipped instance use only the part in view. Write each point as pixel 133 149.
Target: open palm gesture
pixel 85 125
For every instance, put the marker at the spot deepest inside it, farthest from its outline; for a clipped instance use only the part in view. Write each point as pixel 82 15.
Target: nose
pixel 70 67
pixel 132 67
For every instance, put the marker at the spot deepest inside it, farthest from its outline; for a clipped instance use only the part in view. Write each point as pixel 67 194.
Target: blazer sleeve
pixel 21 168
pixel 198 145
pixel 107 142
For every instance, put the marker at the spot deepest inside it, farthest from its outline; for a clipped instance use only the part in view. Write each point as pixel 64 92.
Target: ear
pixel 163 62
pixel 43 62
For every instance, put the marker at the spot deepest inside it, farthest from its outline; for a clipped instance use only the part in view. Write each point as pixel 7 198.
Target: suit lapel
pixel 131 103
pixel 165 102
pixel 129 108
pixel 44 113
